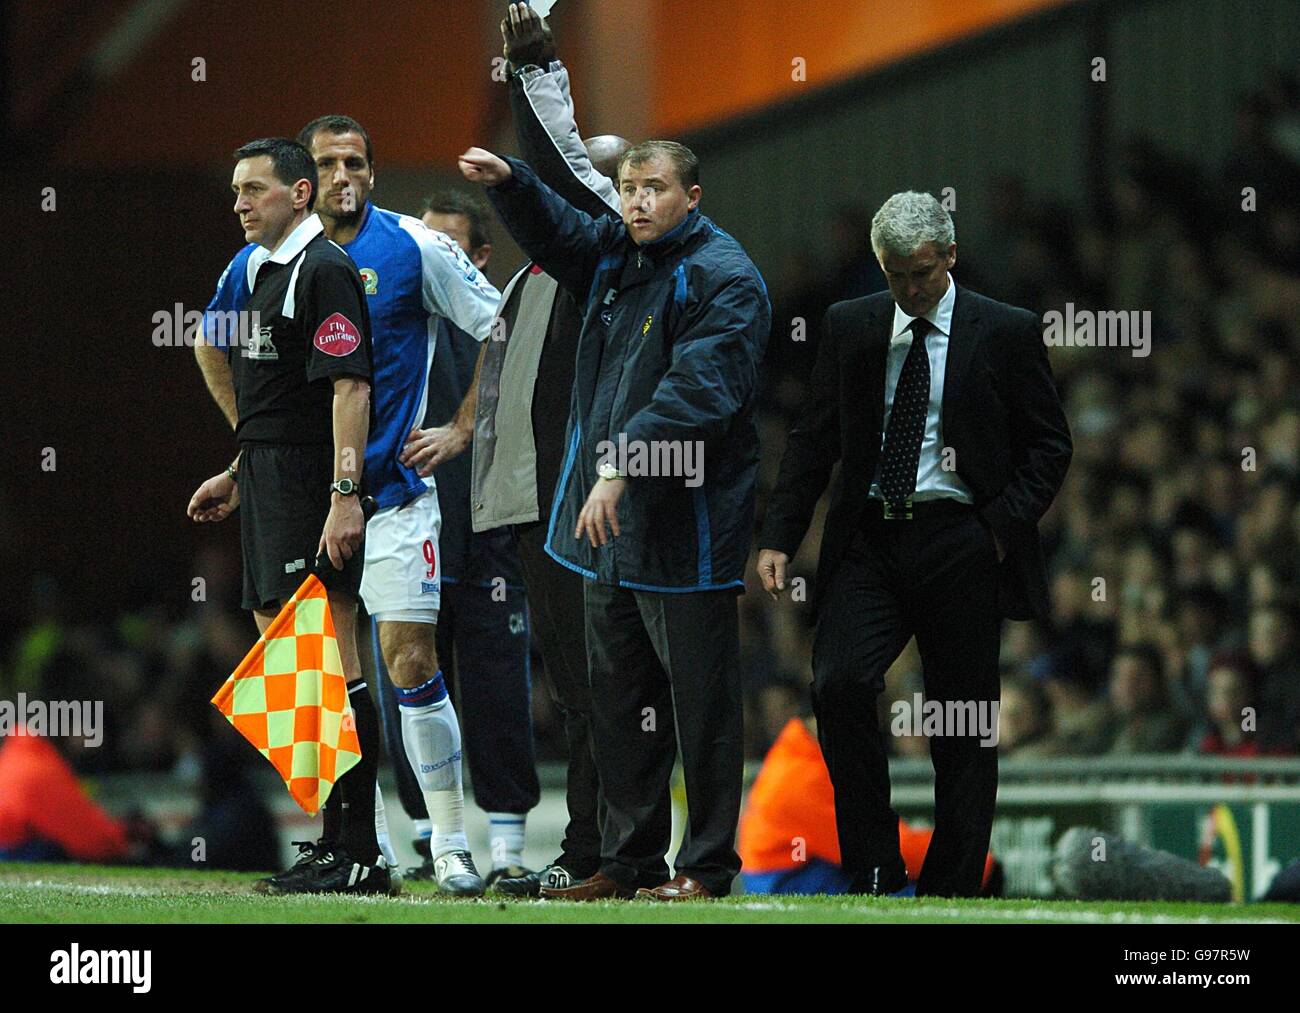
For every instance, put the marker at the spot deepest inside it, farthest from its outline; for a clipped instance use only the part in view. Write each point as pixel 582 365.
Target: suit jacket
pixel 1000 414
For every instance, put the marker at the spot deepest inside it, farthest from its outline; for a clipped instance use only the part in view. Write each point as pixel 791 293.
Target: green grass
pixel 99 894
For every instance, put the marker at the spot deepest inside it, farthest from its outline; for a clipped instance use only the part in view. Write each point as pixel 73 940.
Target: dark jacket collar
pixel 681 233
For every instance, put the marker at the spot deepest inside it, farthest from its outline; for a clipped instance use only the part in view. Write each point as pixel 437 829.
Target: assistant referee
pixel 298 397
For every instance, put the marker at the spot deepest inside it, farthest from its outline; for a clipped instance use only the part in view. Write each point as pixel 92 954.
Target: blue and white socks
pixel 431 735
pixel 506 837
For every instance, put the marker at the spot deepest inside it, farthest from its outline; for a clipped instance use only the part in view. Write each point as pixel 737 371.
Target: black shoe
pixel 555 876
pixel 334 871
pixel 506 872
pixel 514 881
pixel 424 872
pixel 307 853
pixel 880 881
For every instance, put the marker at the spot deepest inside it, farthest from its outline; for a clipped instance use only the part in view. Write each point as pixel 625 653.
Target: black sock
pixel 333 818
pixel 357 786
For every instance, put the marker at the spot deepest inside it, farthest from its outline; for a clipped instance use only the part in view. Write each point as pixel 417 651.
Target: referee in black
pixel 299 399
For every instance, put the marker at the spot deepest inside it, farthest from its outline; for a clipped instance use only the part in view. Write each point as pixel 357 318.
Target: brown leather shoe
pixel 677 888
pixel 597 887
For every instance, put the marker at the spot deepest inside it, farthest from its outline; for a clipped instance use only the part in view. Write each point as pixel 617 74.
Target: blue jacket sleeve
pixel 566 242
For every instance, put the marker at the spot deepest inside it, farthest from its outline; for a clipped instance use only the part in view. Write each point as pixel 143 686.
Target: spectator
pixel 1024 719
pixel 1272 647
pixel 1081 721
pixel 1233 685
pixel 1143 721
pixel 1200 617
pixel 234 825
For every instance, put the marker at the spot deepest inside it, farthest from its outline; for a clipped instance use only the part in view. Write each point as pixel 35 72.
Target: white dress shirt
pixel 932 482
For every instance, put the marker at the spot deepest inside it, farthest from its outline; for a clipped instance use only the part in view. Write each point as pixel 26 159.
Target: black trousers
pixel 665 675
pixel 483 651
pixel 935 578
pixel 555 605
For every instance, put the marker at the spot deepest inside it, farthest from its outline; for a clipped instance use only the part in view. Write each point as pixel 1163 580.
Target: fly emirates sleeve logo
pixel 337 335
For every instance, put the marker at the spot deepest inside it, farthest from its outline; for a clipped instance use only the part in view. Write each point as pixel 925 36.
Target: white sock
pixel 506 838
pixel 431 735
pixel 381 830
pixel 423 829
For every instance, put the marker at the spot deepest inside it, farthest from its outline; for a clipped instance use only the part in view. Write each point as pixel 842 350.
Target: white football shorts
pixel 402 578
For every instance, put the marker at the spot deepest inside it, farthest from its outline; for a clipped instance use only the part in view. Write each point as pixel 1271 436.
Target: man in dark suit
pixel 940 406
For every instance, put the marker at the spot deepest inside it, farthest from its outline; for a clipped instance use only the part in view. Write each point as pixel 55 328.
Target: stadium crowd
pixel 1173 546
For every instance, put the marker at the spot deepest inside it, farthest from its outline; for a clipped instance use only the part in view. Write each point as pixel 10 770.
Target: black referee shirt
pixel 313 326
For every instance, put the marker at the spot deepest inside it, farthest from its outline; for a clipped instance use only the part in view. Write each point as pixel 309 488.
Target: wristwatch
pixel 608 472
pixel 344 487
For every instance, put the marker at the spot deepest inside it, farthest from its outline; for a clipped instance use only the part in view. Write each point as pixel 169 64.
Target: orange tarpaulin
pixel 792 799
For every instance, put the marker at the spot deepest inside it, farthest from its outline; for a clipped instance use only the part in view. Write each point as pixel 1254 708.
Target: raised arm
pixel 451 285
pixel 565 241
pixel 550 142
pixel 544 119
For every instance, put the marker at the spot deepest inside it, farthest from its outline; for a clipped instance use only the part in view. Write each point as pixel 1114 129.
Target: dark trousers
pixel 555 601
pixel 665 675
pixel 935 578
pixel 483 651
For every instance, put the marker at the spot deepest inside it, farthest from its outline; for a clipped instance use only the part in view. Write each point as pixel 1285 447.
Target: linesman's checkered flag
pixel 289 698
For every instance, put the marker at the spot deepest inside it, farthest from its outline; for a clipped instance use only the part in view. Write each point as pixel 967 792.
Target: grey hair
pixel 909 220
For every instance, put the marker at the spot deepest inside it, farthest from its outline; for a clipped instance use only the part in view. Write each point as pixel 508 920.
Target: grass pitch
pixel 75 894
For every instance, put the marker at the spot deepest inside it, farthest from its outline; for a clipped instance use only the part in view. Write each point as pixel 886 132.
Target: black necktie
pixel 902 451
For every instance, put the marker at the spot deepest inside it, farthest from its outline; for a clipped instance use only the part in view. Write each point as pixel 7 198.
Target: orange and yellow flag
pixel 289 698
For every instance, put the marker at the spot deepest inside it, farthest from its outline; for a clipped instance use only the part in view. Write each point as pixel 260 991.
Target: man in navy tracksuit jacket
pixel 655 501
